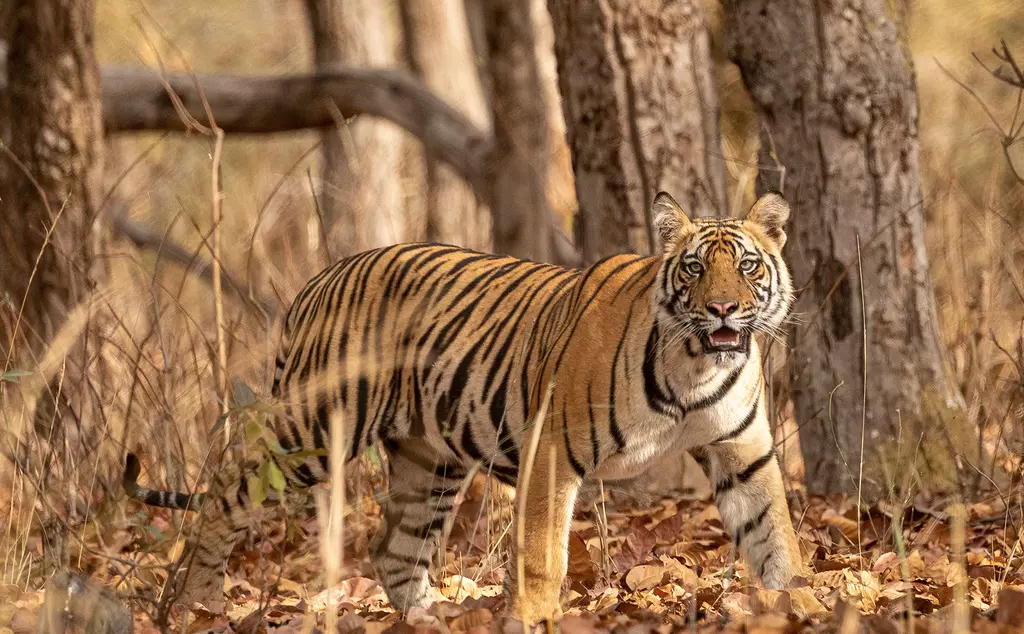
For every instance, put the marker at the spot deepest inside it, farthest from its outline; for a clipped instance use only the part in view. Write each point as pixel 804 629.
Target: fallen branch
pixel 135 99
pixel 144 238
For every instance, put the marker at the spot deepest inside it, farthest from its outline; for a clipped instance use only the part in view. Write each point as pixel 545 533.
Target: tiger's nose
pixel 722 308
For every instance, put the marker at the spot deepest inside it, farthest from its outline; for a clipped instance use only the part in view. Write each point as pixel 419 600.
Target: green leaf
pixel 276 477
pixel 257 490
pixel 253 432
pixel 373 456
pixel 12 376
pixel 241 394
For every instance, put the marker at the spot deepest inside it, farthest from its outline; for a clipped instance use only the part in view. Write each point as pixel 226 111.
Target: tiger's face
pixel 722 279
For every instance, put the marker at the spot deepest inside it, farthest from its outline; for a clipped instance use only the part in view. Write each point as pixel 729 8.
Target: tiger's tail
pixel 153 497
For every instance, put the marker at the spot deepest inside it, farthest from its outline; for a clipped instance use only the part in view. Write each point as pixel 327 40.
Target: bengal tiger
pixel 447 356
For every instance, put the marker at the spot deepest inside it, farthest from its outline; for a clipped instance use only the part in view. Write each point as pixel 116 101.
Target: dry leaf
pixel 1011 606
pixel 644 577
pixel 636 549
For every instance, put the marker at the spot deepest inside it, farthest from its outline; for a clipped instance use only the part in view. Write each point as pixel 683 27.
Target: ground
pixel 668 567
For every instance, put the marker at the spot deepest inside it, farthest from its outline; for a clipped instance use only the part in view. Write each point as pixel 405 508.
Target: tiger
pixel 450 358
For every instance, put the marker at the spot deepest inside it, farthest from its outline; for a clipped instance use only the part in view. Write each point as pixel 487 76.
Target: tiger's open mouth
pixel 725 340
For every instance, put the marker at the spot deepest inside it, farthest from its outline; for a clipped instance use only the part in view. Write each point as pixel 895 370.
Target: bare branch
pixel 144 238
pixel 138 99
pixel 135 99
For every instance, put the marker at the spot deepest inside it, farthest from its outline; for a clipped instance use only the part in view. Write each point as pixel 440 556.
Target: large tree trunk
pixel 518 170
pixel 51 174
pixel 841 117
pixel 361 200
pixel 641 113
pixel 439 46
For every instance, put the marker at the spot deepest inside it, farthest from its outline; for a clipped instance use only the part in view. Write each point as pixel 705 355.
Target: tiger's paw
pixel 537 614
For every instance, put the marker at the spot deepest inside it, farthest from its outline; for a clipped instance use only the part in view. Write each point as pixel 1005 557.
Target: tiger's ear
pixel 669 219
pixel 770 213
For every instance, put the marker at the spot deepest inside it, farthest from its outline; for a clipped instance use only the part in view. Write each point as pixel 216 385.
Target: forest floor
pixel 668 567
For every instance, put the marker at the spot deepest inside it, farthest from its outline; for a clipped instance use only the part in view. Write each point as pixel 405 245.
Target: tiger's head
pixel 722 279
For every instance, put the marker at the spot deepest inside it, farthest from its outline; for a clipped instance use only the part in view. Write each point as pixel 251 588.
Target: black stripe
pixel 744 424
pixel 394 584
pixel 756 466
pixel 657 399
pixel 724 486
pixel 419 562
pixel 593 428
pixel 718 394
pixel 702 459
pixel 576 466
pixel 752 524
pixel 423 531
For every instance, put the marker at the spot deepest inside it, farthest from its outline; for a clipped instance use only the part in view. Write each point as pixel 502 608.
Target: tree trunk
pixel 6 28
pixel 50 171
pixel 641 112
pixel 841 117
pixel 439 46
pixel 361 201
pixel 518 170
pixel 51 174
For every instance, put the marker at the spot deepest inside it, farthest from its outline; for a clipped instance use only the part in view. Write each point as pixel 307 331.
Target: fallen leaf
pixel 456 588
pixel 636 549
pixel 667 531
pixel 1011 606
pixel 581 564
pixel 644 577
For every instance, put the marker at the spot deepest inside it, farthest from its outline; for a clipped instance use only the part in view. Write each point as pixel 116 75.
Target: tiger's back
pixel 420 341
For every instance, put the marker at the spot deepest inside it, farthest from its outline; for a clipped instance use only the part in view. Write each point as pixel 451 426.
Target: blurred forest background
pixel 143 268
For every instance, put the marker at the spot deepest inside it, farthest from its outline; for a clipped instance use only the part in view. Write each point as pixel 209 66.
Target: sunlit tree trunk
pixel 518 170
pixel 440 48
pixel 842 118
pixel 641 112
pixel 361 198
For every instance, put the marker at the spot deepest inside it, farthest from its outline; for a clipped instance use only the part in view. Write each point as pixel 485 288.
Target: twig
pixel 218 292
pixel 864 395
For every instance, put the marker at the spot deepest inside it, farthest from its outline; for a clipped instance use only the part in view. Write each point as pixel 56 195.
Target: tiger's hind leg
pixel 224 517
pixel 421 495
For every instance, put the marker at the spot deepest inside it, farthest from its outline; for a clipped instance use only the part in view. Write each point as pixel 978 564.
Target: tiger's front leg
pixel 539 557
pixel 747 481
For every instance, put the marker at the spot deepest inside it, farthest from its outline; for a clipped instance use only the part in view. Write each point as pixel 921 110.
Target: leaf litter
pixel 668 567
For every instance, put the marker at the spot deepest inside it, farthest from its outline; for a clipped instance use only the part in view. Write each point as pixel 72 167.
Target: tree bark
pixel 518 170
pixel 641 112
pixel 361 200
pixel 441 52
pixel 50 172
pixel 841 117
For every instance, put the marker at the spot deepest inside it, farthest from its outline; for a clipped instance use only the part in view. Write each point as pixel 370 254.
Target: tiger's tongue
pixel 725 336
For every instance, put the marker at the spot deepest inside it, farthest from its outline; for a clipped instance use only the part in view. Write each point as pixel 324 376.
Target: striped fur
pixel 444 355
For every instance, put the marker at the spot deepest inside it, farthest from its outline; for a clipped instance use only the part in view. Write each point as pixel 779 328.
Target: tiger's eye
pixel 694 268
pixel 748 266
